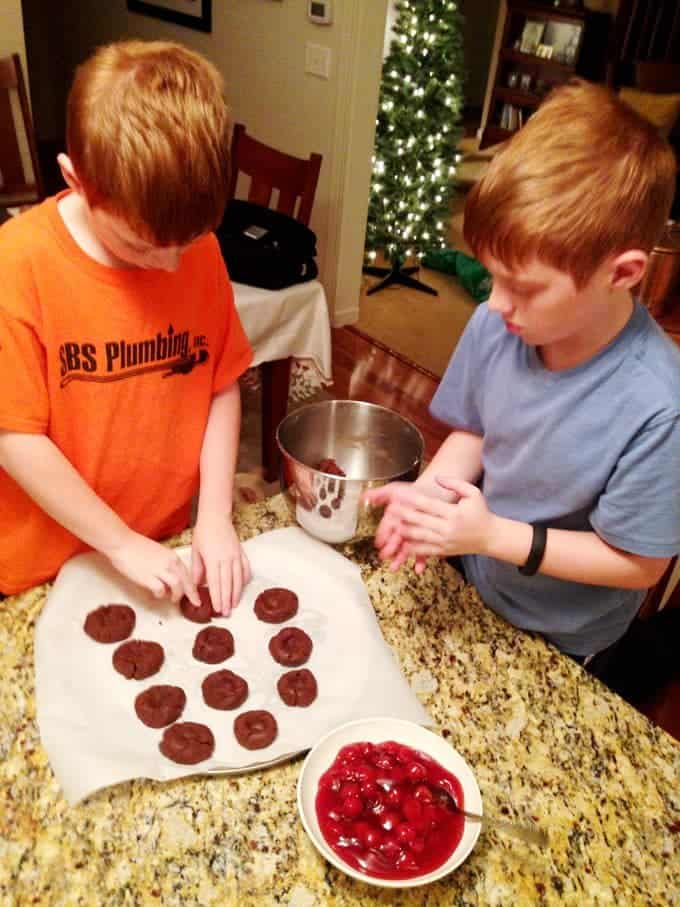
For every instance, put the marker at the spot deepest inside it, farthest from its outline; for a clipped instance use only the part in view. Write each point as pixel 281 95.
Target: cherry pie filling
pixel 378 810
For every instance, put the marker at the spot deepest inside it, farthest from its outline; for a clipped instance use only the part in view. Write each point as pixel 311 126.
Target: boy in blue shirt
pixel 559 485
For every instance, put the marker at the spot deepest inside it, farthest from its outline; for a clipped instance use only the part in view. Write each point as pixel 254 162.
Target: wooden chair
pixel 20 178
pixel 295 180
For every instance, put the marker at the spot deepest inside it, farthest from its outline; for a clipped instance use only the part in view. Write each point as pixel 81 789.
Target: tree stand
pixel 398 275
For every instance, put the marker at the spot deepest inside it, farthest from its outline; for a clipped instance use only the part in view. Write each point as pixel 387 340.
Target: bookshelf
pixel 542 46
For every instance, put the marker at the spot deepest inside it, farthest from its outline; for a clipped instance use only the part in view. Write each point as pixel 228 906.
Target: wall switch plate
pixel 318 60
pixel 320 12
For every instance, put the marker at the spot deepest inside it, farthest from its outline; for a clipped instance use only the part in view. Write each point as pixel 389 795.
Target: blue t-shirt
pixel 595 447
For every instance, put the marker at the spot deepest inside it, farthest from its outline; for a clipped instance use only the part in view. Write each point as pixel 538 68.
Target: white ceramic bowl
pixel 378 730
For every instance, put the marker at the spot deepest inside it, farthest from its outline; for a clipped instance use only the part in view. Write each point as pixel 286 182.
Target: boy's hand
pixel 218 559
pixel 154 567
pixel 432 527
pixel 391 538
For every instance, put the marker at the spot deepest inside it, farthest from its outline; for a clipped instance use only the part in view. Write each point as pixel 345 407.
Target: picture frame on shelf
pixel 195 14
pixel 532 35
pixel 565 39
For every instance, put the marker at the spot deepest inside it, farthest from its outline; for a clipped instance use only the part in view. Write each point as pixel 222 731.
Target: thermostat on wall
pixel 320 11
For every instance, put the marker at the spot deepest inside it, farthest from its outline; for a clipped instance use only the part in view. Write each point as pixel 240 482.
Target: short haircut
pixel 585 178
pixel 148 135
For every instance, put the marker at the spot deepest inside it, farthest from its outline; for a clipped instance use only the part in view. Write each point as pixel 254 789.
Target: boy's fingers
pixel 187 586
pixel 214 588
pixel 172 583
pixel 378 496
pixel 391 545
pixel 423 504
pixel 420 564
pixel 385 529
pixel 399 560
pixel 412 532
pixel 247 571
pixel 236 581
pixel 461 488
pixel 413 517
pixel 197 567
pixel 424 549
pixel 226 580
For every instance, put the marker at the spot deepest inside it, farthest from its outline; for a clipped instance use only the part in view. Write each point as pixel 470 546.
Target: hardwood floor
pixel 365 369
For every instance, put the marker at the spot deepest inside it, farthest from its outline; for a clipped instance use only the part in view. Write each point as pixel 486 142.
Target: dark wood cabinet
pixel 542 46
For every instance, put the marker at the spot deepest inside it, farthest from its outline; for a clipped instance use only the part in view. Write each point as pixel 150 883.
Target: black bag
pixel 264 248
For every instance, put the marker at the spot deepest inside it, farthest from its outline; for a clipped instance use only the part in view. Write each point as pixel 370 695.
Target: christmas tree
pixel 414 161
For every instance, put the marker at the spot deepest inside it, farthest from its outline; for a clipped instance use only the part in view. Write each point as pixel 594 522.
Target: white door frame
pixel 359 76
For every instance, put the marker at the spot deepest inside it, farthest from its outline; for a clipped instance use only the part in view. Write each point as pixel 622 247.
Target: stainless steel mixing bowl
pixel 373 445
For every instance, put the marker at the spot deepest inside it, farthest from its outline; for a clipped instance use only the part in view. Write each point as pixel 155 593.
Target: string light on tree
pixel 416 136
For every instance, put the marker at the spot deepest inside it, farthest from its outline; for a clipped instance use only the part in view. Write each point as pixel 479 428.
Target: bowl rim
pixel 465 845
pixel 324 403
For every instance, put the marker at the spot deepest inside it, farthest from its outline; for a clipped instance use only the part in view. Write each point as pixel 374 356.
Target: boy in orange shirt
pixel 120 346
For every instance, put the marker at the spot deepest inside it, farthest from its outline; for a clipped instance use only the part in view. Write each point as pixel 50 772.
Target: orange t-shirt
pixel 118 368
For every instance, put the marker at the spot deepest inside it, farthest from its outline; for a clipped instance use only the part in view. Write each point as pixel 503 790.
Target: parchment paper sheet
pixel 85 709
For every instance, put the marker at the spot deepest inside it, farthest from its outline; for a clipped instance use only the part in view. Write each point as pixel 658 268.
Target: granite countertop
pixel 544 739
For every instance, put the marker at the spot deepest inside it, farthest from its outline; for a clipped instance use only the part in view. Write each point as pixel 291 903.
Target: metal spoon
pixel 528 833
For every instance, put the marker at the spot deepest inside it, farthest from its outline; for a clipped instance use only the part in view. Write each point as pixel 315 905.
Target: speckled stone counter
pixel 544 739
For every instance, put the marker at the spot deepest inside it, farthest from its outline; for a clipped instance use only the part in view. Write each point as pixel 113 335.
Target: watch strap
pixel 537 551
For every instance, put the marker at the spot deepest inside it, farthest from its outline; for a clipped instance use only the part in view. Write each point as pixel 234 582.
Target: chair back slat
pixel 11 165
pixel 17 184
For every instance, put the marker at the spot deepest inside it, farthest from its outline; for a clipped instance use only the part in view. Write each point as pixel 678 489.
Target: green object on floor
pixel 471 273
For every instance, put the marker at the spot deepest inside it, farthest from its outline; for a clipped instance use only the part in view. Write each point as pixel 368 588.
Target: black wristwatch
pixel 538 541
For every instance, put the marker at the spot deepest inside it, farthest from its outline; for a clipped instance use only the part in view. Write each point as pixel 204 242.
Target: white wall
pixel 259 46
pixel 12 31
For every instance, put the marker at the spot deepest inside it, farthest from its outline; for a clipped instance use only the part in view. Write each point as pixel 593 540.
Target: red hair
pixel 585 178
pixel 148 135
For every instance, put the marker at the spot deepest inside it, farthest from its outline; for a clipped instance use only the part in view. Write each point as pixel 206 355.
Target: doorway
pixel 421 328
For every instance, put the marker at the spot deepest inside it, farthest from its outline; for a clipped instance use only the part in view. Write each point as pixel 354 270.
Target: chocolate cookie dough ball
pixel 138 659
pixel 160 705
pixel 224 690
pixel 276 605
pixel 202 614
pixel 290 647
pixel 330 466
pixel 255 730
pixel 297 687
pixel 187 743
pixel 213 645
pixel 110 623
